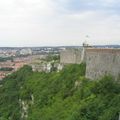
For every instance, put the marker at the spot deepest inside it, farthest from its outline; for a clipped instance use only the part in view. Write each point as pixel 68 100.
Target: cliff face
pixel 64 95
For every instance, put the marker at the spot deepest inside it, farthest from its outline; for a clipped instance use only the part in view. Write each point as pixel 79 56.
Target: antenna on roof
pixel 85 43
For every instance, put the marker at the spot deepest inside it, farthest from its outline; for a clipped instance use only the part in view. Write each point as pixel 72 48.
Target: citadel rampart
pixel 99 61
pixel 70 56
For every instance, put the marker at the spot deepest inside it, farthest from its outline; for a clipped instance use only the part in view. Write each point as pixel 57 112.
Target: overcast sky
pixel 59 22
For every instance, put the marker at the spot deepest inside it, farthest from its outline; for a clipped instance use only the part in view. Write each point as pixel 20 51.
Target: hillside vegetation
pixel 65 95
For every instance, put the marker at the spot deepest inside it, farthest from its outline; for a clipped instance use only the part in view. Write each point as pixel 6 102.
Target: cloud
pixel 73 6
pixel 60 22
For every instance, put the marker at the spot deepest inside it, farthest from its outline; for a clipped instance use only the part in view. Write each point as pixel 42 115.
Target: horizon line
pixel 58 46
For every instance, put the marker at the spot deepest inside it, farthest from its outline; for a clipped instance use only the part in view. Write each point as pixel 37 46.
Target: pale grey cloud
pixel 60 22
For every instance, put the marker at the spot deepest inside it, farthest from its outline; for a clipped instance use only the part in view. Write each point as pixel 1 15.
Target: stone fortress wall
pixel 70 56
pixel 99 61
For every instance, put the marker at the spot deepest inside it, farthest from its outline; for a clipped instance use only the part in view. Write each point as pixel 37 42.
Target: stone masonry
pixel 70 56
pixel 99 61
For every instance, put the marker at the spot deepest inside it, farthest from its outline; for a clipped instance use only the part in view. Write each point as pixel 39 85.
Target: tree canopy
pixel 65 95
